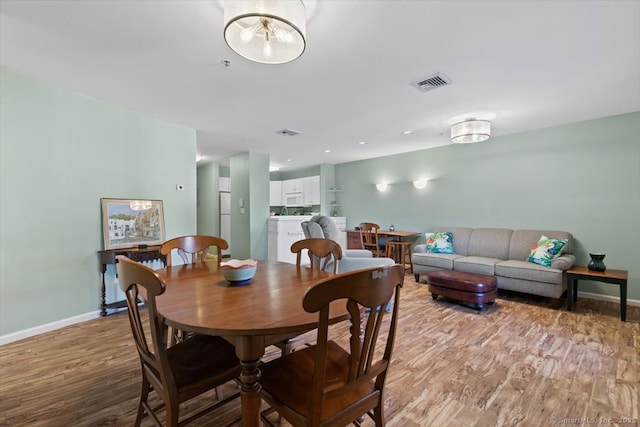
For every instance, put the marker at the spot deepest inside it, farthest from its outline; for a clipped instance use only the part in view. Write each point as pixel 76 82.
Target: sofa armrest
pixel 357 253
pixel 563 262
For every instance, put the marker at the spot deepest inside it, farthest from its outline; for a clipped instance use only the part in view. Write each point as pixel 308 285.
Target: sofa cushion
pixel 435 260
pixel 528 271
pixel 329 228
pixel 312 230
pixel 523 240
pixel 546 250
pixel 440 243
pixel 475 264
pixel 490 243
pixel 461 237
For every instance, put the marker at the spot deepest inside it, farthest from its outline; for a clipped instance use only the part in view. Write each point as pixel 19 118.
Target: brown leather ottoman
pixel 477 289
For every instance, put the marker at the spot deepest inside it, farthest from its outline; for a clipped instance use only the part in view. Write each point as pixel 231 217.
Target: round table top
pixel 198 298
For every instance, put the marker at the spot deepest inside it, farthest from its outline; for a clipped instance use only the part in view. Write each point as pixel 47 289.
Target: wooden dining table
pixel 252 316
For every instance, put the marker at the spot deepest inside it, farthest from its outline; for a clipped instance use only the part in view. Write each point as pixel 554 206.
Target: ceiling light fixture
pixel 470 131
pixel 407 132
pixel 274 168
pixel 362 143
pixel 268 32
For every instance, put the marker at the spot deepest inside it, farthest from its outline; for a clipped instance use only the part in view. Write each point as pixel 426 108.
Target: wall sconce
pixel 420 183
pixel 382 186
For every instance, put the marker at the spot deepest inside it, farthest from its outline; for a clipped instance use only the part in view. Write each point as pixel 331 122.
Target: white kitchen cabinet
pixel 282 232
pixel 311 190
pixel 275 193
pixel 292 186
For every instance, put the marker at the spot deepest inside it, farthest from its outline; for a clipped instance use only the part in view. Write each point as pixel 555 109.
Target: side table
pixel 149 253
pixel 616 277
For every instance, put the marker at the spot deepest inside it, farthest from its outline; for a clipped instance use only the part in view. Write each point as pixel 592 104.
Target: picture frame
pixel 128 223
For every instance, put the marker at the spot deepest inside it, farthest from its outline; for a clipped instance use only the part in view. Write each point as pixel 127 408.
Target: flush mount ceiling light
pixel 382 186
pixel 266 31
pixel 274 168
pixel 470 131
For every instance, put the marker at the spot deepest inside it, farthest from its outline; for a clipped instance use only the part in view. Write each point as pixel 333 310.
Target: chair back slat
pixel 193 249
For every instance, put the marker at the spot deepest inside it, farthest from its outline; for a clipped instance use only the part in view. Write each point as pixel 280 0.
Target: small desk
pixel 617 277
pixel 150 253
pixel 354 242
pixel 252 316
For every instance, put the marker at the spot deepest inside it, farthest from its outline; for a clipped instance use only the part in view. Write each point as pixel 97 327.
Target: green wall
pixel 209 199
pixel 59 154
pixel 583 178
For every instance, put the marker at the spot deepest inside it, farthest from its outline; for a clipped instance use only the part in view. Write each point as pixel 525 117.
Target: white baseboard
pixel 16 336
pixel 600 297
pixel 26 333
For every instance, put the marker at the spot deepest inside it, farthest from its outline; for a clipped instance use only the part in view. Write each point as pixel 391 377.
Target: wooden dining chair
pixel 369 238
pixel 324 254
pixel 193 248
pixel 326 384
pixel 177 373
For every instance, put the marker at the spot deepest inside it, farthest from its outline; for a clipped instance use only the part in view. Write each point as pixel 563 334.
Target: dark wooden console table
pixel 616 277
pixel 148 254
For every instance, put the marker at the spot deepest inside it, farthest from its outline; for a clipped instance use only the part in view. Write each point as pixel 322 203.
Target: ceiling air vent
pixel 289 132
pixel 433 82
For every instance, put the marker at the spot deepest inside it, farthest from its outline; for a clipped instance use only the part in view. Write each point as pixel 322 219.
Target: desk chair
pixel 326 384
pixel 324 254
pixel 177 373
pixel 370 239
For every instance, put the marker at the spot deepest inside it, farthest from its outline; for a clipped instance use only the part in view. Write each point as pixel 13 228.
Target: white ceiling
pixel 533 64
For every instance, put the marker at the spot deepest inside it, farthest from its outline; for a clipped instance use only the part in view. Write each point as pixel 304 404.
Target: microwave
pixel 293 199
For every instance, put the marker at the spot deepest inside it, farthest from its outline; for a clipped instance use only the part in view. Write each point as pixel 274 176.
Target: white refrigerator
pixel 225 219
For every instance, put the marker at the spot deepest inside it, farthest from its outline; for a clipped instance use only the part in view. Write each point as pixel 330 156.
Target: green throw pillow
pixel 546 250
pixel 440 243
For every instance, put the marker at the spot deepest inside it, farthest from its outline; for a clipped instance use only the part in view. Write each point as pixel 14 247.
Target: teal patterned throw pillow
pixel 440 243
pixel 546 250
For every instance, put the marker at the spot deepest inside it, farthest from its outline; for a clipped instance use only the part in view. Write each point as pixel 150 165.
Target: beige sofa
pixel 502 253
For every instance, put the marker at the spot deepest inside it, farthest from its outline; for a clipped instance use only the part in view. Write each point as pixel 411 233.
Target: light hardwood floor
pixel 523 362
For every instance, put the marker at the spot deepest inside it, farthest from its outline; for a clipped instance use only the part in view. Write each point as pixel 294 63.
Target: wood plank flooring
pixel 523 362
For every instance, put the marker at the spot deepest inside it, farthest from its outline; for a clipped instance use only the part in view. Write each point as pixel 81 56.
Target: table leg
pixel 249 350
pixel 623 300
pixel 570 291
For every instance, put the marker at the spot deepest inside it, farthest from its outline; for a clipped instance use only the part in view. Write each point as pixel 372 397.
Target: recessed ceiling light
pixel 289 160
pixel 362 143
pixel 327 150
pixel 407 132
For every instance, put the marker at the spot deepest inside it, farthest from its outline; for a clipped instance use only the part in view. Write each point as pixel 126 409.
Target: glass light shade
pixel 266 31
pixel 470 131
pixel 382 186
pixel 140 205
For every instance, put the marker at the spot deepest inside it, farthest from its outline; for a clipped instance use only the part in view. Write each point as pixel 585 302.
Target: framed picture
pixel 130 223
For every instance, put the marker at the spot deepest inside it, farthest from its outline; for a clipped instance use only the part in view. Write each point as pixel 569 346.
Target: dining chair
pixel 177 373
pixel 193 248
pixel 324 254
pixel 326 384
pixel 369 238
